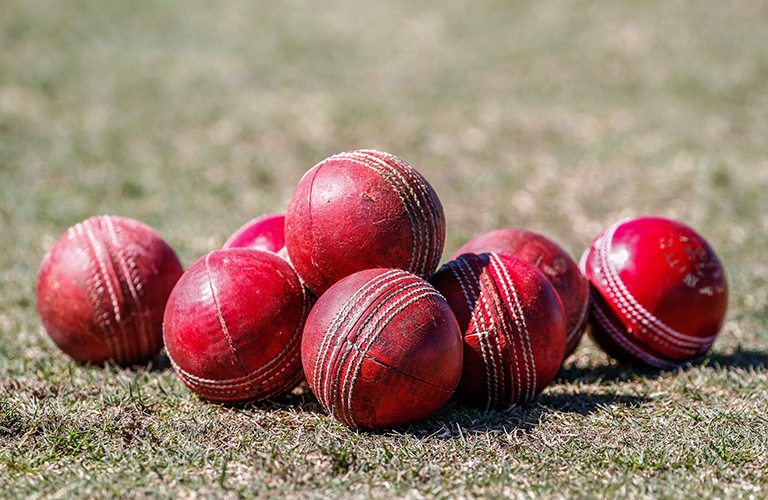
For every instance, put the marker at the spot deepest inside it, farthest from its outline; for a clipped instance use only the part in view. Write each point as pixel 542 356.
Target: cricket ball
pixel 262 233
pixel 554 262
pixel 102 289
pixel 233 326
pixel 513 325
pixel 381 349
pixel 361 210
pixel 660 293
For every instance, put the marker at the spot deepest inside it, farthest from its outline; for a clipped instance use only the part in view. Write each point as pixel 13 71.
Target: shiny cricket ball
pixel 262 233
pixel 513 325
pixel 361 210
pixel 233 326
pixel 660 292
pixel 102 290
pixel 382 349
pixel 554 262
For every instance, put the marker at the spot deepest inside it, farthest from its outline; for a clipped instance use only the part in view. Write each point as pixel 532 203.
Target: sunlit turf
pixel 559 117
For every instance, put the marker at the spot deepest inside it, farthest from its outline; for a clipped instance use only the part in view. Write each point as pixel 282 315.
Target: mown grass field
pixel 557 116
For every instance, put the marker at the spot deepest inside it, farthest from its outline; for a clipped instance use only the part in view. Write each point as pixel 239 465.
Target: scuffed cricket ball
pixel 102 290
pixel 513 325
pixel 361 210
pixel 554 262
pixel 660 292
pixel 382 349
pixel 233 326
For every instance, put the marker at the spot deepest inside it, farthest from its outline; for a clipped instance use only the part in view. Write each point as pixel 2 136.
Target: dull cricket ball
pixel 554 262
pixel 262 233
pixel 381 349
pixel 233 326
pixel 102 289
pixel 360 210
pixel 513 325
pixel 660 292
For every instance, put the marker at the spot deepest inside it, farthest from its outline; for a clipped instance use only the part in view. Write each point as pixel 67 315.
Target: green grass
pixel 558 116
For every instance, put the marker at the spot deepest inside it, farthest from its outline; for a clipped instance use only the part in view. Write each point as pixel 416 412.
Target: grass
pixel 559 116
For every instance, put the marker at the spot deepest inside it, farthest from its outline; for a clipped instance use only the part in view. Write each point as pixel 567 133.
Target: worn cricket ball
pixel 233 326
pixel 361 210
pixel 262 233
pixel 554 262
pixel 660 292
pixel 513 325
pixel 381 349
pixel 102 289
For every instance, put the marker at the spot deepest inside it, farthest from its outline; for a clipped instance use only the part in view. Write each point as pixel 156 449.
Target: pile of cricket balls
pixel 344 291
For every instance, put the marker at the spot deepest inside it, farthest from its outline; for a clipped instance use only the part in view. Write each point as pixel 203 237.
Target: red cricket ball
pixel 233 326
pixel 382 349
pixel 263 233
pixel 549 258
pixel 513 325
pixel 660 291
pixel 102 289
pixel 361 210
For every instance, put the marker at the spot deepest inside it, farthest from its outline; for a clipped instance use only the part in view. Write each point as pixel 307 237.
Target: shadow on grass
pixel 586 403
pixel 609 372
pixel 738 359
pixel 455 419
pixel 159 363
pixel 301 398
pixel 621 372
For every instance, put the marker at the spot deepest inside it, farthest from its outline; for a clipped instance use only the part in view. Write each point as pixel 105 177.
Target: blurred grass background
pixel 559 116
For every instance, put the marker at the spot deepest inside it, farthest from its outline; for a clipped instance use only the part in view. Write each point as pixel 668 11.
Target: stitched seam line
pixel 496 328
pixel 116 320
pixel 461 271
pixel 344 320
pixel 630 306
pixel 220 316
pixel 126 282
pixel 269 370
pixel 434 231
pixel 519 317
pixel 400 187
pixel 342 358
pixel 397 306
pixel 95 289
pixel 624 342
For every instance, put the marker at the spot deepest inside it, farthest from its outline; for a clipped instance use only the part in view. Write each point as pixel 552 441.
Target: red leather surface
pixel 513 325
pixel 233 325
pixel 263 233
pixel 662 291
pixel 102 289
pixel 382 349
pixel 554 262
pixel 361 210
